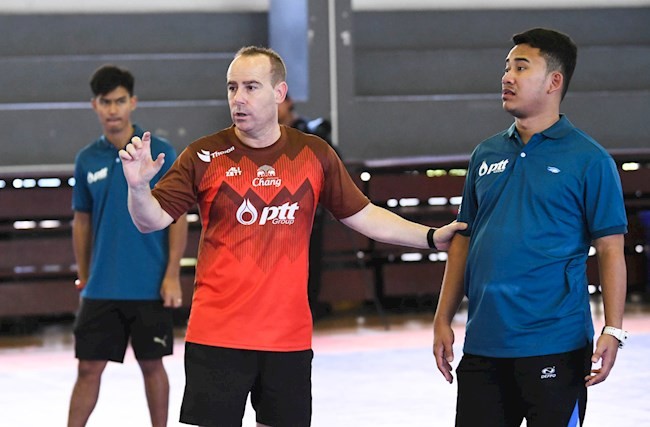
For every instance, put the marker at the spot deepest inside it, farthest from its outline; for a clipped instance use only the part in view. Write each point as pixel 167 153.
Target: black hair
pixel 107 78
pixel 557 48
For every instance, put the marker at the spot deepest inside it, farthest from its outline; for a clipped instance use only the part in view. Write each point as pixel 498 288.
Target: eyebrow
pixel 517 59
pixel 247 82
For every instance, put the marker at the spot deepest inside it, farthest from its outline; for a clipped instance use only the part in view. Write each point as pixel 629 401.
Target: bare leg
pixel 85 391
pixel 156 385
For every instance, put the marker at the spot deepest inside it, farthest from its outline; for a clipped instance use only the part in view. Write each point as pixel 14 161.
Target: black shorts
pixel 103 328
pixel 546 390
pixel 218 381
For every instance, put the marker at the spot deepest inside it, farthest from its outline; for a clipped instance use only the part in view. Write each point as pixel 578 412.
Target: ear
pixel 134 102
pixel 556 82
pixel 280 90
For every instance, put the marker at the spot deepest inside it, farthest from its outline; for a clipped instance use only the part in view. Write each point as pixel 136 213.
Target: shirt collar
pixel 560 129
pixel 137 131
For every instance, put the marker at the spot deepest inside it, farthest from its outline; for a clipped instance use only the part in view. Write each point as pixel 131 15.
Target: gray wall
pixel 410 83
pixel 428 82
pixel 179 62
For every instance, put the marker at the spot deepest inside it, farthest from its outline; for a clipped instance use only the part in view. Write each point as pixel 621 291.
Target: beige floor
pixel 364 375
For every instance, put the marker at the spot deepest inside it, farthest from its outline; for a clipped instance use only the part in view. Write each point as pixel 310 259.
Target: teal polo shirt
pixel 533 211
pixel 126 264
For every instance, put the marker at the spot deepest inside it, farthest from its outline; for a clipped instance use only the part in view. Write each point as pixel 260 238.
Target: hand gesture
pixel 139 167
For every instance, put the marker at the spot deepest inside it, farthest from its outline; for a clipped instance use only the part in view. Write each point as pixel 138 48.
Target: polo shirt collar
pixel 560 129
pixel 137 131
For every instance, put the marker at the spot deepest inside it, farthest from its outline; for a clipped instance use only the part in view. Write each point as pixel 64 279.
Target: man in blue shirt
pixel 536 197
pixel 123 297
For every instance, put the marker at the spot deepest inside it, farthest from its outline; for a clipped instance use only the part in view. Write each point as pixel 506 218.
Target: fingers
pixel 134 150
pixel 443 359
pixel 172 301
pixel 443 352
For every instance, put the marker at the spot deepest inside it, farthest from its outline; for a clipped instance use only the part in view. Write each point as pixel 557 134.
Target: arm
pixel 451 295
pixel 82 238
pixel 139 169
pixel 384 226
pixel 613 281
pixel 170 290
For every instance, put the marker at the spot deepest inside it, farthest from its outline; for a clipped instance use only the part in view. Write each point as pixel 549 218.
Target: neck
pixel 121 138
pixel 527 127
pixel 259 140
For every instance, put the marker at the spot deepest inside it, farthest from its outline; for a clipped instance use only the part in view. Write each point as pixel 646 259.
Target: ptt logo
pixel 284 214
pixel 97 176
pixel 497 167
pixel 266 177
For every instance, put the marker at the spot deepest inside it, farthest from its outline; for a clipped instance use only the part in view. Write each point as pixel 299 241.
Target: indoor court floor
pixel 363 375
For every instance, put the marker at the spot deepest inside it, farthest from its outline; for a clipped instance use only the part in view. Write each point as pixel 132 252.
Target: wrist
pixel 430 238
pixel 80 284
pixel 620 334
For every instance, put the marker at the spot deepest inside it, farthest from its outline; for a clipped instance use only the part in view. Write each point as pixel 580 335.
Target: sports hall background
pixel 411 87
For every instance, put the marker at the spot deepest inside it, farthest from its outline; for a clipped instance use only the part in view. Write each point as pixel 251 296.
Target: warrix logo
pixel 207 156
pixel 234 171
pixel 497 167
pixel 548 372
pixel 279 215
pixel 97 176
pixel 266 177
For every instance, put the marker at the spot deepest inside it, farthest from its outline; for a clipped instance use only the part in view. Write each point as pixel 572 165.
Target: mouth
pixel 507 93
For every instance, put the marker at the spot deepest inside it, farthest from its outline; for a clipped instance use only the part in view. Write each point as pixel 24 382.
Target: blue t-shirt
pixel 125 264
pixel 533 211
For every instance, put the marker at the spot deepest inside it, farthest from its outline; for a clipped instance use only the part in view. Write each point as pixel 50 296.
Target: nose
pixel 507 77
pixel 237 96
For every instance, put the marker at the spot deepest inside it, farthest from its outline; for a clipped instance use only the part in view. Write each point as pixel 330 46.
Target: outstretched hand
pixel 139 167
pixel 443 235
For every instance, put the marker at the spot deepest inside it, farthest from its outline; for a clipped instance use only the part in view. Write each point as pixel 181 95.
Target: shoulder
pixel 88 152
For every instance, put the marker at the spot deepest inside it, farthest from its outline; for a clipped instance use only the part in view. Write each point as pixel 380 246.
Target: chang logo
pixel 266 177
pixel 497 167
pixel 284 214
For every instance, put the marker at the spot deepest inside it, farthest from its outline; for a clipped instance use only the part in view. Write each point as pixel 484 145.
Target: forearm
pixel 177 245
pixel 82 244
pixel 452 291
pixel 384 226
pixel 613 278
pixel 145 210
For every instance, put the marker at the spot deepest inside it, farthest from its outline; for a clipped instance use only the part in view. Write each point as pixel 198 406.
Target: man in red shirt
pixel 257 185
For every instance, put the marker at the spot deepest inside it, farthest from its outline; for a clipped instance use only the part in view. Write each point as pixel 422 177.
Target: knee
pixel 89 370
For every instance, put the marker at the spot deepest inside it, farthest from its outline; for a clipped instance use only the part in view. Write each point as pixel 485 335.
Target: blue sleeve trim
pixel 619 229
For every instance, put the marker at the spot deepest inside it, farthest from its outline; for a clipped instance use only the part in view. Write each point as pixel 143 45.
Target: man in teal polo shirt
pixel 537 197
pixel 128 280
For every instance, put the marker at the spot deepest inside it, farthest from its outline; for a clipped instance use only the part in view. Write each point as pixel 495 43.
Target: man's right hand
pixel 139 167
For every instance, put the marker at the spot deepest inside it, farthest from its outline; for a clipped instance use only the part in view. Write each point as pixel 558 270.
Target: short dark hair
pixel 108 77
pixel 278 69
pixel 559 51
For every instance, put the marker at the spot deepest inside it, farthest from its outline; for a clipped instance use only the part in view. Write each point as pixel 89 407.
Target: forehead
pixel 118 92
pixel 524 52
pixel 249 68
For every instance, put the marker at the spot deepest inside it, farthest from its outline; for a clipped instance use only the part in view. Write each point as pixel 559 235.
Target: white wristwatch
pixel 619 334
